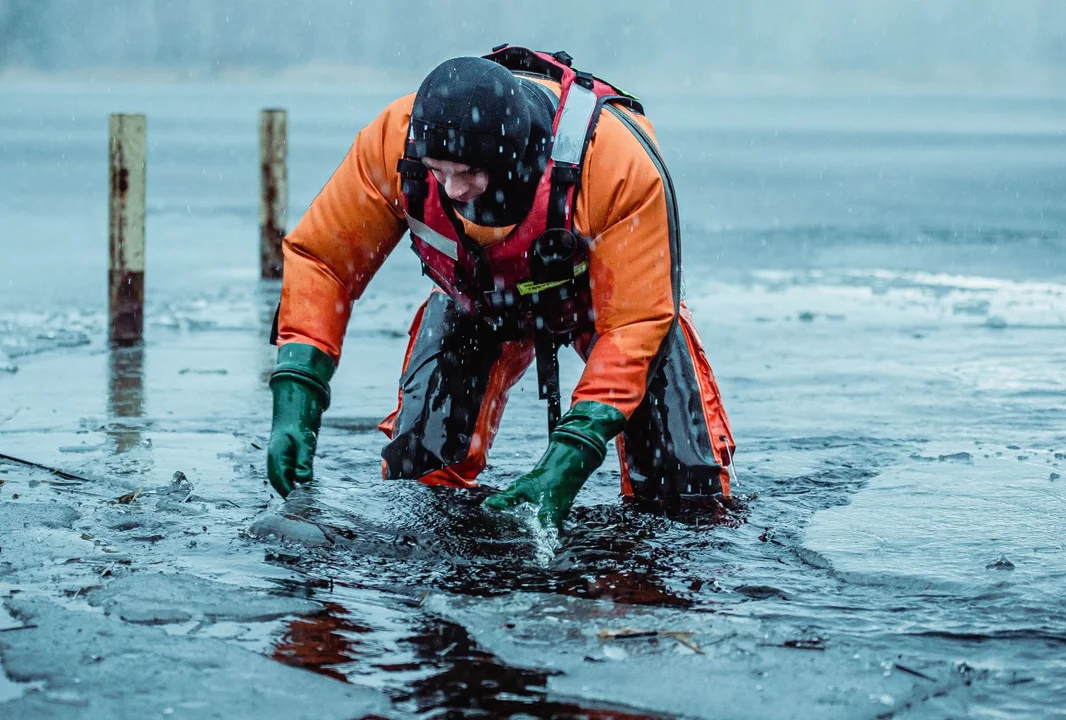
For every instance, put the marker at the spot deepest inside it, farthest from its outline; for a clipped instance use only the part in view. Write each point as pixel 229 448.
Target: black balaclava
pixel 474 111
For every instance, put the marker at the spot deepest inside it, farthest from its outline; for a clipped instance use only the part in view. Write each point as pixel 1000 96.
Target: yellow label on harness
pixel 529 287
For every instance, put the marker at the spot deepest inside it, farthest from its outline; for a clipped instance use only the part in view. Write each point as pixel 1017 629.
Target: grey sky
pixel 971 45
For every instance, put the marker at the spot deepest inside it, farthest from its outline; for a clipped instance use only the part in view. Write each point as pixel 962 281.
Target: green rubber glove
pixel 576 448
pixel 300 386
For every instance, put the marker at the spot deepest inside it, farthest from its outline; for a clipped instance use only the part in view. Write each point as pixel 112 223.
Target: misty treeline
pixel 969 40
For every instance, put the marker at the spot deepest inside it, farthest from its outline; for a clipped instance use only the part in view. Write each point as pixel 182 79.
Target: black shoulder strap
pixel 413 184
pixel 566 173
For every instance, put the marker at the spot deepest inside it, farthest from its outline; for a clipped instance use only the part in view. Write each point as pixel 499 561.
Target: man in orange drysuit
pixel 538 202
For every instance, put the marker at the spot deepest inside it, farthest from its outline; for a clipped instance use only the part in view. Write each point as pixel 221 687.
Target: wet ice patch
pixel 29 515
pixel 12 690
pixel 157 599
pixel 229 308
pixel 30 333
pixel 289 530
pixel 886 297
pixel 6 363
pixel 598 651
pixel 951 525
pixel 115 669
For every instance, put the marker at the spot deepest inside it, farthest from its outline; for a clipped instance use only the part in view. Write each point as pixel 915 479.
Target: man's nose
pixel 454 186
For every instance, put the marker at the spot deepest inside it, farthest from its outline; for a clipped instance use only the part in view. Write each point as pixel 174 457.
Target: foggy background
pixel 823 45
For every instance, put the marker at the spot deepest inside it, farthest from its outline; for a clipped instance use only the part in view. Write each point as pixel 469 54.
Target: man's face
pixel 462 183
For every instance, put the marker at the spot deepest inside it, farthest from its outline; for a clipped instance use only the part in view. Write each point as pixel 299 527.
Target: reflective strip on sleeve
pixel 573 125
pixel 431 237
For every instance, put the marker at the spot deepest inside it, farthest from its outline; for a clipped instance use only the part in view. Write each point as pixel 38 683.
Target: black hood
pixel 474 111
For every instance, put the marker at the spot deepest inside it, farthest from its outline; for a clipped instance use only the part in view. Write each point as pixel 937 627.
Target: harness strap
pixel 572 134
pixel 547 353
pixel 413 183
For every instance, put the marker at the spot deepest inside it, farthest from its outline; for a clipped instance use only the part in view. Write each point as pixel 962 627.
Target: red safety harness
pixel 535 280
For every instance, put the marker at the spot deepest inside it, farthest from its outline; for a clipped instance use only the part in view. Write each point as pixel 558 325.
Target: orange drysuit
pixel 624 207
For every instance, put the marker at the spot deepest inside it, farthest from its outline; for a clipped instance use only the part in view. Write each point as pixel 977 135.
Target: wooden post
pixel 274 191
pixel 126 237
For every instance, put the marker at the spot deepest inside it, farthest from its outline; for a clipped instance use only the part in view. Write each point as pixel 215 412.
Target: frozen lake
pixel 880 283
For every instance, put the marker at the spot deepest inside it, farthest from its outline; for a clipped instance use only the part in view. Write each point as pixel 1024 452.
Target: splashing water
pixel 546 541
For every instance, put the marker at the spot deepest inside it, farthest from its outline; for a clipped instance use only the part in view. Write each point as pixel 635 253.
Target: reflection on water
pixel 471 682
pixel 267 294
pixel 321 642
pixel 440 670
pixel 125 397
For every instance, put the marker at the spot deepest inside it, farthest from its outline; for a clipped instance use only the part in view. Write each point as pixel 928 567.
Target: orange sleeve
pixel 624 208
pixel 350 228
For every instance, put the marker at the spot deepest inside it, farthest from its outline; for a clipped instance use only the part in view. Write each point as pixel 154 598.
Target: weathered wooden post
pixel 126 237
pixel 274 191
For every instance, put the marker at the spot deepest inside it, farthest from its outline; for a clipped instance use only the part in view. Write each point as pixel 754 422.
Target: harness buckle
pixel 566 174
pixel 585 79
pixel 554 254
pixel 563 58
pixel 412 177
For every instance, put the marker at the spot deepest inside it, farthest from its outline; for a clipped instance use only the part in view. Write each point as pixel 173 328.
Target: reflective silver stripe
pixel 432 238
pixel 574 124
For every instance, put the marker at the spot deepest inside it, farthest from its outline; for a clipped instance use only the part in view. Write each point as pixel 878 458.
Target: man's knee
pixel 678 442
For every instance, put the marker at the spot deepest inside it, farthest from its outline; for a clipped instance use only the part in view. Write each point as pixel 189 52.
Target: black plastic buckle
pixel 411 168
pixel 553 256
pixel 499 301
pixel 585 80
pixel 563 57
pixel 566 174
pixel 414 188
pixel 412 178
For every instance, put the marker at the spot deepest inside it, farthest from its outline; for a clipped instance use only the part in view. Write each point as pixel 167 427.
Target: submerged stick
pixel 39 466
pixel 626 633
pixel 21 627
pixel 912 671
